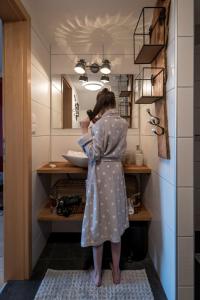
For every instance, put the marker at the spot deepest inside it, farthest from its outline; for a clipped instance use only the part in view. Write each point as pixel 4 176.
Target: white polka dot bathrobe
pixel 106 210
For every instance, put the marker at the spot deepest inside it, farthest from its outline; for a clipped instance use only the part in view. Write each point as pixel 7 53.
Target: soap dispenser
pixel 139 157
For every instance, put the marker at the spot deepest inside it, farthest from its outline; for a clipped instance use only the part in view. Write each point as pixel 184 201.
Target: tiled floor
pixel 63 251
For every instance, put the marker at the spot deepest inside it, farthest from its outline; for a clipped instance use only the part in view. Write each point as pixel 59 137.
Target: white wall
pixel 160 190
pixel 40 84
pixel 63 140
pixel 197 116
pixel 169 192
pixel 184 139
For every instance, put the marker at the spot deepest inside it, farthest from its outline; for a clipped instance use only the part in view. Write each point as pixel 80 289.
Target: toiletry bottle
pixel 139 156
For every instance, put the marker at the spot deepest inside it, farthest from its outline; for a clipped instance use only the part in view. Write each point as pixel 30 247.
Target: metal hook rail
pixel 155 121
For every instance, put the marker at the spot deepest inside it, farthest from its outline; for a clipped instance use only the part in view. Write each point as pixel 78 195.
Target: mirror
pixel 71 99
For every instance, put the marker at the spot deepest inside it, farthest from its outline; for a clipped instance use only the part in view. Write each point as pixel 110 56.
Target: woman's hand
pixel 84 125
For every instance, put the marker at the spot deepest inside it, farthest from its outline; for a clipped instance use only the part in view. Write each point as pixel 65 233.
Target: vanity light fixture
pixel 93 85
pixel 105 79
pixel 105 68
pixel 83 78
pixel 80 67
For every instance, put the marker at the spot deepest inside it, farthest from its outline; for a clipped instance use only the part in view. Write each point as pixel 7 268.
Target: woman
pixel 106 213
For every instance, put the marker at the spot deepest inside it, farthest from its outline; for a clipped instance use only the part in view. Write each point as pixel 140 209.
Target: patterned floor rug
pixel 77 285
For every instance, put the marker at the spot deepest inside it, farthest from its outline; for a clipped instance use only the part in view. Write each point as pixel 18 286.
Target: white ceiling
pixel 79 29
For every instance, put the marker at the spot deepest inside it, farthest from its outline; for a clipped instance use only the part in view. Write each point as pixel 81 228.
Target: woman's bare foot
pixel 116 274
pixel 97 278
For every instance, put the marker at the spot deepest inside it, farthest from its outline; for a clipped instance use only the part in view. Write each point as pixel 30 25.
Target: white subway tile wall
pixel 185 112
pixel 160 192
pixel 40 86
pixel 186 292
pixel 197 119
pixel 185 56
pixel 185 161
pixel 185 132
pixel 185 211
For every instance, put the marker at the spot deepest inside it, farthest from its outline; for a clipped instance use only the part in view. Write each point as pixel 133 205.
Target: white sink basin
pixel 77 158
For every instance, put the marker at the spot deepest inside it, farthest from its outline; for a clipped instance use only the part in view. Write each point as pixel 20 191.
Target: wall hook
pixel 155 121
pixel 161 129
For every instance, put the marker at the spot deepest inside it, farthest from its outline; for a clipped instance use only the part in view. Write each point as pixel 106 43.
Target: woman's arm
pixel 92 145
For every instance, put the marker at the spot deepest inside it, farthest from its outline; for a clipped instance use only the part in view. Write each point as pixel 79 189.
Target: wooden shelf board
pixel 67 168
pixel 45 215
pixel 147 99
pixel 148 53
pixel 125 93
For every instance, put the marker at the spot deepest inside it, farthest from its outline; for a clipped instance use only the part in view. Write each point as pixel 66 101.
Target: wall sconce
pixel 149 85
pixel 147 45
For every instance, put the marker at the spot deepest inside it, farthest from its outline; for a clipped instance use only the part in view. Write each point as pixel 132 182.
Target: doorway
pixel 17 140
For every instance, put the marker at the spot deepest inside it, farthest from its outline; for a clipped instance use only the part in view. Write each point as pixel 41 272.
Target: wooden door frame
pixel 17 140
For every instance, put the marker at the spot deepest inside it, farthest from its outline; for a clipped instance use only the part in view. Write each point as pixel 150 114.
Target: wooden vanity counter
pixel 68 168
pixel 45 214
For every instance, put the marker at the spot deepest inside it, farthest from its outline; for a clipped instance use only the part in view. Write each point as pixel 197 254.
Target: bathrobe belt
pixel 110 159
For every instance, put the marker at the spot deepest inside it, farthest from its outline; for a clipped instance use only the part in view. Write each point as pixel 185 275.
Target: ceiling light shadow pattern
pixel 87 35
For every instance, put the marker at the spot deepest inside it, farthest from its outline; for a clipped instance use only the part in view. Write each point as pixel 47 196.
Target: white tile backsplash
pixel 40 87
pixel 41 119
pixel 172 21
pixel 185 112
pixel 171 112
pixel 40 54
pixel 171 75
pixel 185 61
pixel 60 144
pixel 185 261
pixel 40 151
pixel 185 12
pixel 185 211
pixel 185 162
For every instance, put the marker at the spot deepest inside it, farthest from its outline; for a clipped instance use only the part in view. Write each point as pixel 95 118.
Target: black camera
pixel 65 204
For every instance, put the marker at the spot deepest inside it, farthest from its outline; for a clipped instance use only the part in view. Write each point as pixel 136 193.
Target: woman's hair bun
pixel 105 90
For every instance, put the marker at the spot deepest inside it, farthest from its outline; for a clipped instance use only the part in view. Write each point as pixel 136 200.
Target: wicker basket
pixel 68 187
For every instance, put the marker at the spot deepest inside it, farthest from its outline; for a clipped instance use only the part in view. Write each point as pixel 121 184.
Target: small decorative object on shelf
pixel 139 156
pixel 149 85
pixel 146 44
